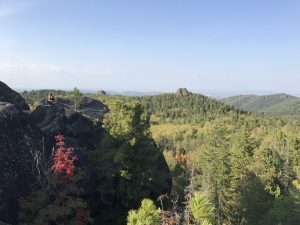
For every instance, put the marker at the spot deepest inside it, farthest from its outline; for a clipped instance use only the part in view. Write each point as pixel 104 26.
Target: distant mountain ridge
pixel 282 105
pixel 134 93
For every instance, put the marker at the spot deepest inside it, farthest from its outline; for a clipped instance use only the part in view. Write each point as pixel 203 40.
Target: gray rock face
pixel 18 140
pixel 183 92
pixel 10 96
pixel 101 92
pixel 92 108
pixel 88 107
pixel 60 119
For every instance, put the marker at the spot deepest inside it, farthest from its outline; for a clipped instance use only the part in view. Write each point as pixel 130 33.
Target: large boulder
pixel 19 140
pixel 10 96
pixel 88 107
pixel 183 92
pixel 79 130
pixel 92 108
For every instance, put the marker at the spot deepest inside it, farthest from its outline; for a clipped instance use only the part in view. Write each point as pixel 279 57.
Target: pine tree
pixel 202 209
pixel 75 95
pixel 147 214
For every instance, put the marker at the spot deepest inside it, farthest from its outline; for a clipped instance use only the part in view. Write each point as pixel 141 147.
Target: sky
pixel 151 45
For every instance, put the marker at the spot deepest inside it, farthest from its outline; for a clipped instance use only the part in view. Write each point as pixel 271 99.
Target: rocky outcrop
pixel 183 92
pixel 60 118
pixel 23 134
pixel 101 92
pixel 92 108
pixel 19 139
pixel 10 96
pixel 88 107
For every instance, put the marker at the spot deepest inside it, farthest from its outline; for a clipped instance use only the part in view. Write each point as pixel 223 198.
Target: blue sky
pixel 159 45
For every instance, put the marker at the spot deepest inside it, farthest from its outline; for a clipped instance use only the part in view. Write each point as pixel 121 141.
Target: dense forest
pixel 279 105
pixel 228 166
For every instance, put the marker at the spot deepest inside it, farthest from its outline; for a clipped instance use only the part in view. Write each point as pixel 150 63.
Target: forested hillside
pixel 195 108
pixel 280 105
pixel 228 166
pixel 245 165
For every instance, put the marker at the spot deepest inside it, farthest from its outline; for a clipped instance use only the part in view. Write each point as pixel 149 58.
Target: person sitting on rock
pixel 51 99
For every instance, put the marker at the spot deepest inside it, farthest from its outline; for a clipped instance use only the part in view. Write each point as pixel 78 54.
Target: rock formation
pixel 19 139
pixel 101 92
pixel 79 130
pixel 88 107
pixel 22 134
pixel 92 108
pixel 10 96
pixel 183 92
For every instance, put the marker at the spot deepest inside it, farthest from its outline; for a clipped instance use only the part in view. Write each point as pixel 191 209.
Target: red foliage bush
pixel 82 217
pixel 63 159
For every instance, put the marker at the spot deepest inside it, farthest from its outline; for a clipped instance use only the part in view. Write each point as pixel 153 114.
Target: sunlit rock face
pixel 183 92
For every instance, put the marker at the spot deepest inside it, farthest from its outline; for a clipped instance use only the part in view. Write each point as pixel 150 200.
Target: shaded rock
pixel 1 223
pixel 19 139
pixel 92 108
pixel 88 107
pixel 61 119
pixel 10 96
pixel 79 131
pixel 183 92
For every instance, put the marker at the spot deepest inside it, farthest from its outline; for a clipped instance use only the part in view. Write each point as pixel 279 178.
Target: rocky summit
pixel 23 134
pixel 183 92
pixel 10 96
pixel 79 129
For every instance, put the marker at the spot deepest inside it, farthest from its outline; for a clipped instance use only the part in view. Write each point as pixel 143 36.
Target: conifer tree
pixel 147 214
